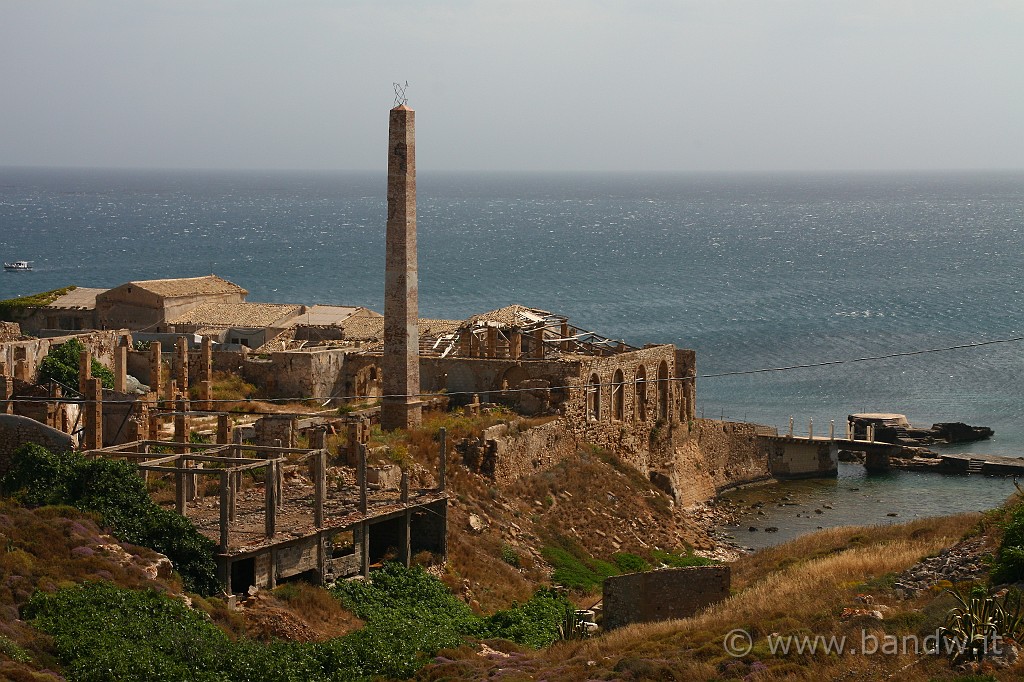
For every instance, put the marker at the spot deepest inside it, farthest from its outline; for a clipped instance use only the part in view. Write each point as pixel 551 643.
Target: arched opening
pixel 641 393
pixel 663 391
pixel 594 398
pixel 618 402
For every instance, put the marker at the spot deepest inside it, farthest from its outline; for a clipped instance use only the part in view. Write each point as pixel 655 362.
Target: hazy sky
pixel 515 84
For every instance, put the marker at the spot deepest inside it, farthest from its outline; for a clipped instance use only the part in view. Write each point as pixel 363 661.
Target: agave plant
pixel 572 626
pixel 978 623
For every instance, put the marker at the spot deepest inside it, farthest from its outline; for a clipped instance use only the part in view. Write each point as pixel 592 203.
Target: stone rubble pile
pixel 963 562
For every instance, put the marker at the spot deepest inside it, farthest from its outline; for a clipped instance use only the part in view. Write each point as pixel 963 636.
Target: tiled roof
pixel 238 314
pixel 509 316
pixel 365 325
pixel 189 286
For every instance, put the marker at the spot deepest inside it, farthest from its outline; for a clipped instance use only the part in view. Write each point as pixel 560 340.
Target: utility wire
pixel 585 386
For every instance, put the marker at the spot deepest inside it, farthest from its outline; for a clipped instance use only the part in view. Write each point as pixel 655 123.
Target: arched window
pixel 641 393
pixel 663 391
pixel 618 402
pixel 594 398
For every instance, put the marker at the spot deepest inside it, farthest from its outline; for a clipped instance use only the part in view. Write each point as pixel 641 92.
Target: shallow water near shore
pixel 856 498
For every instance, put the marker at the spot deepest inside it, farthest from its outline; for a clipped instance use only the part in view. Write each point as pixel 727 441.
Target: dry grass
pixel 798 588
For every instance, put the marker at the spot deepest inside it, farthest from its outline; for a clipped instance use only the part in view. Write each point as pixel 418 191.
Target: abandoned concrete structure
pixel 401 407
pixel 291 524
pixel 662 595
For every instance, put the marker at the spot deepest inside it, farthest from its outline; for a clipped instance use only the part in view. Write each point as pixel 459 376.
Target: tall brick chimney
pixel 401 366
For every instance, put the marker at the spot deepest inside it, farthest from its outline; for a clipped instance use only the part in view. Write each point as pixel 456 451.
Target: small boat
pixel 18 265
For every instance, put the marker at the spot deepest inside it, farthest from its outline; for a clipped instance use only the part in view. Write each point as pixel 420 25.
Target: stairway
pixel 975 465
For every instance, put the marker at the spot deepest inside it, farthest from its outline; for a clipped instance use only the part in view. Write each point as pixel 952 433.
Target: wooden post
pixel 156 368
pixel 319 461
pixel 404 488
pixel 538 341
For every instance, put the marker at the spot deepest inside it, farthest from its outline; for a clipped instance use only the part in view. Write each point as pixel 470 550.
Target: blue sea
pixel 752 271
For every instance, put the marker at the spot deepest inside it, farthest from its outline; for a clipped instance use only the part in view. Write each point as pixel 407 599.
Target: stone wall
pixel 506 454
pixel 662 595
pixel 317 373
pixel 15 431
pixel 32 351
pixel 9 331
pixel 715 456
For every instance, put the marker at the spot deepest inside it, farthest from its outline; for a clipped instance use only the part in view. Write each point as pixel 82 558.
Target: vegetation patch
pixel 113 490
pixel 103 632
pixel 61 365
pixel 13 309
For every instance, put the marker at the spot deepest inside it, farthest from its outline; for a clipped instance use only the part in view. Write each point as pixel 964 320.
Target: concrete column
pixel 319 486
pixel 55 409
pixel 181 421
pixel 442 462
pixel 225 510
pixel 515 345
pixel 154 426
pixel 492 342
pixel 361 479
pixel 270 498
pixel 401 409
pixel 156 368
pixel 121 368
pixel 84 370
pixel 206 374
pixel 181 364
pixel 406 550
pixel 93 414
pixel 223 429
pixel 180 485
pixel 6 391
pixel 538 344
pixel 364 546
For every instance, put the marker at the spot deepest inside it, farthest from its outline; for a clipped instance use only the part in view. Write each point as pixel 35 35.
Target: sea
pixel 755 272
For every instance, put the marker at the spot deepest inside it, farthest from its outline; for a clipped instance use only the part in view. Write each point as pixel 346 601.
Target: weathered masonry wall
pixel 662 595
pixel 506 454
pixel 298 374
pixel 16 431
pixel 716 456
pixel 31 352
pixel 490 378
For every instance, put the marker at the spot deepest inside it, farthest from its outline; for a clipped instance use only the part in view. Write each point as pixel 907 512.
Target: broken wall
pixel 662 595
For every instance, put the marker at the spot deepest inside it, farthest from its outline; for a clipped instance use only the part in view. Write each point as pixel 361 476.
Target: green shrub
pixel 102 632
pixel 113 489
pixel 1009 563
pixel 61 365
pixel 630 563
pixel 534 623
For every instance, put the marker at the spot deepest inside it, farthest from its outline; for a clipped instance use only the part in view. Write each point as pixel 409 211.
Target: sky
pixel 515 85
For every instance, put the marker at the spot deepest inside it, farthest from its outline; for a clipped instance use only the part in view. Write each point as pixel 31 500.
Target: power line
pixel 976 344
pixel 584 386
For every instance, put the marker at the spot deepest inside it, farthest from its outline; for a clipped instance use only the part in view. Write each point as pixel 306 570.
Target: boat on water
pixel 18 265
